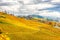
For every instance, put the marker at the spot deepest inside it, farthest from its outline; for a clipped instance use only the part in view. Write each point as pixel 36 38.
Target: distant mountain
pixel 49 18
pixel 38 16
pixel 52 18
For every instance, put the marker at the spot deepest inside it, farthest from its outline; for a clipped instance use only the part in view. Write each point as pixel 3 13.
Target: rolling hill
pixel 14 28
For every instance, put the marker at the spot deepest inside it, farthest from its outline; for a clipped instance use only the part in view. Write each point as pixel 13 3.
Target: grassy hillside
pixel 14 28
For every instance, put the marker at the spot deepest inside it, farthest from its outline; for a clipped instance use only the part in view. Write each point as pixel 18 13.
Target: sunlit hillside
pixel 14 28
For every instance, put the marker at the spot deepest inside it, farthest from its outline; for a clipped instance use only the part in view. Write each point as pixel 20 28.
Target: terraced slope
pixel 22 29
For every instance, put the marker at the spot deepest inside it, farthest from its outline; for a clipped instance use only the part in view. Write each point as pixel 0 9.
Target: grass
pixel 21 29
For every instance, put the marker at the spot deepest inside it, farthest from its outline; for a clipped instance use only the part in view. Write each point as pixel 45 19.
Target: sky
pixel 29 7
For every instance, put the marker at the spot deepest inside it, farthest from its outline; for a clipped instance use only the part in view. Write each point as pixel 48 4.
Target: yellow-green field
pixel 14 28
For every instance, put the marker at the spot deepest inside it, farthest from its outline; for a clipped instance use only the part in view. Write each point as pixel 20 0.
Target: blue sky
pixel 28 7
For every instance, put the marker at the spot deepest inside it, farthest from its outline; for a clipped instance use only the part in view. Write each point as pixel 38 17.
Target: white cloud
pixel 32 7
pixel 7 0
pixel 57 1
pixel 26 1
pixel 11 8
pixel 35 7
pixel 50 13
pixel 46 0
